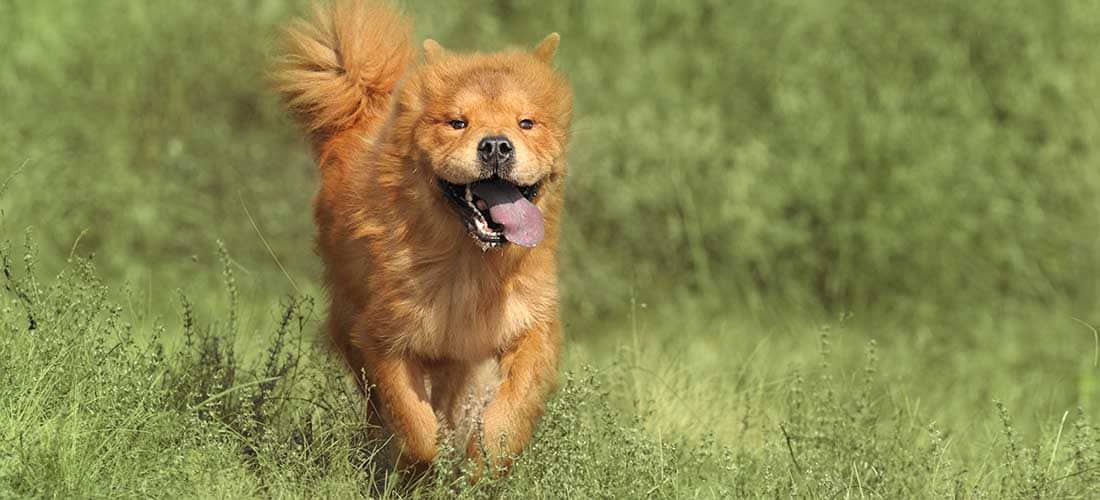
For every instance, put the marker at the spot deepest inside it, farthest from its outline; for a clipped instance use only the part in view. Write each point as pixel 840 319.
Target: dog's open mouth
pixel 496 211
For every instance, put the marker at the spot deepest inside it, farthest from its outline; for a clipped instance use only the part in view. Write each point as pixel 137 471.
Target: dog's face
pixel 492 130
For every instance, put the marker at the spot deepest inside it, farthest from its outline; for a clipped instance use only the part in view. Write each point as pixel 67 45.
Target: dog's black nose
pixel 495 149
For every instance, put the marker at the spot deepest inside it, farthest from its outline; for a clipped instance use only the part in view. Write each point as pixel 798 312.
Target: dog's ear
pixel 433 51
pixel 546 48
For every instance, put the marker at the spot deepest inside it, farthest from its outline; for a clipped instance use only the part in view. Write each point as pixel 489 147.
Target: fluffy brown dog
pixel 442 184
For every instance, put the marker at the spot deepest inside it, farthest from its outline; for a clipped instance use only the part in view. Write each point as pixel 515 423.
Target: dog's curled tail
pixel 340 69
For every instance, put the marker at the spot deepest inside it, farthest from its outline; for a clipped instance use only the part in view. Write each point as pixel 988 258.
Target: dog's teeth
pixel 469 195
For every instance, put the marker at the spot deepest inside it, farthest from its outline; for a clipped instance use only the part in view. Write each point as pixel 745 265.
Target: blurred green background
pixel 924 173
pixel 912 156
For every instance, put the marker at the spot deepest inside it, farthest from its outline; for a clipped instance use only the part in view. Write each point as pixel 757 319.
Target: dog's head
pixel 491 129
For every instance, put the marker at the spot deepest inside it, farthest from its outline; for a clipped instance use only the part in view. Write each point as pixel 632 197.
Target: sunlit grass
pixel 819 411
pixel 838 249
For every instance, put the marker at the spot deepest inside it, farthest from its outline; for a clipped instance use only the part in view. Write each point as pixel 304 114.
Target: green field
pixel 843 248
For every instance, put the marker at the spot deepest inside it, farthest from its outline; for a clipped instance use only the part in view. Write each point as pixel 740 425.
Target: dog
pixel 442 185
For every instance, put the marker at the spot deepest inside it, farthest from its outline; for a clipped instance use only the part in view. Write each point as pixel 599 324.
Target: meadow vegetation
pixel 818 249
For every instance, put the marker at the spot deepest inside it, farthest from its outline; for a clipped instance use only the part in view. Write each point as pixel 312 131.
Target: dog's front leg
pixel 401 397
pixel 528 370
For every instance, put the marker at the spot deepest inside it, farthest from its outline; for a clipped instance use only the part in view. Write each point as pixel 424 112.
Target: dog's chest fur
pixel 465 309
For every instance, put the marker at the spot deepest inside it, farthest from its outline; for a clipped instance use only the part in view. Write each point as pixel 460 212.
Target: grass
pixel 903 158
pixel 736 409
pixel 831 250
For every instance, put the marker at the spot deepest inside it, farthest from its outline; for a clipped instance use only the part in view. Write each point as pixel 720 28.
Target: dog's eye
pixel 457 124
pixel 526 124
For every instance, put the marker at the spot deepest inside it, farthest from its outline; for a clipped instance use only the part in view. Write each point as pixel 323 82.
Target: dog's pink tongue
pixel 521 219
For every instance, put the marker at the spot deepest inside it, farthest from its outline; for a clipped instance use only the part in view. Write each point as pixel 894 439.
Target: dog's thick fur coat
pixel 424 316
